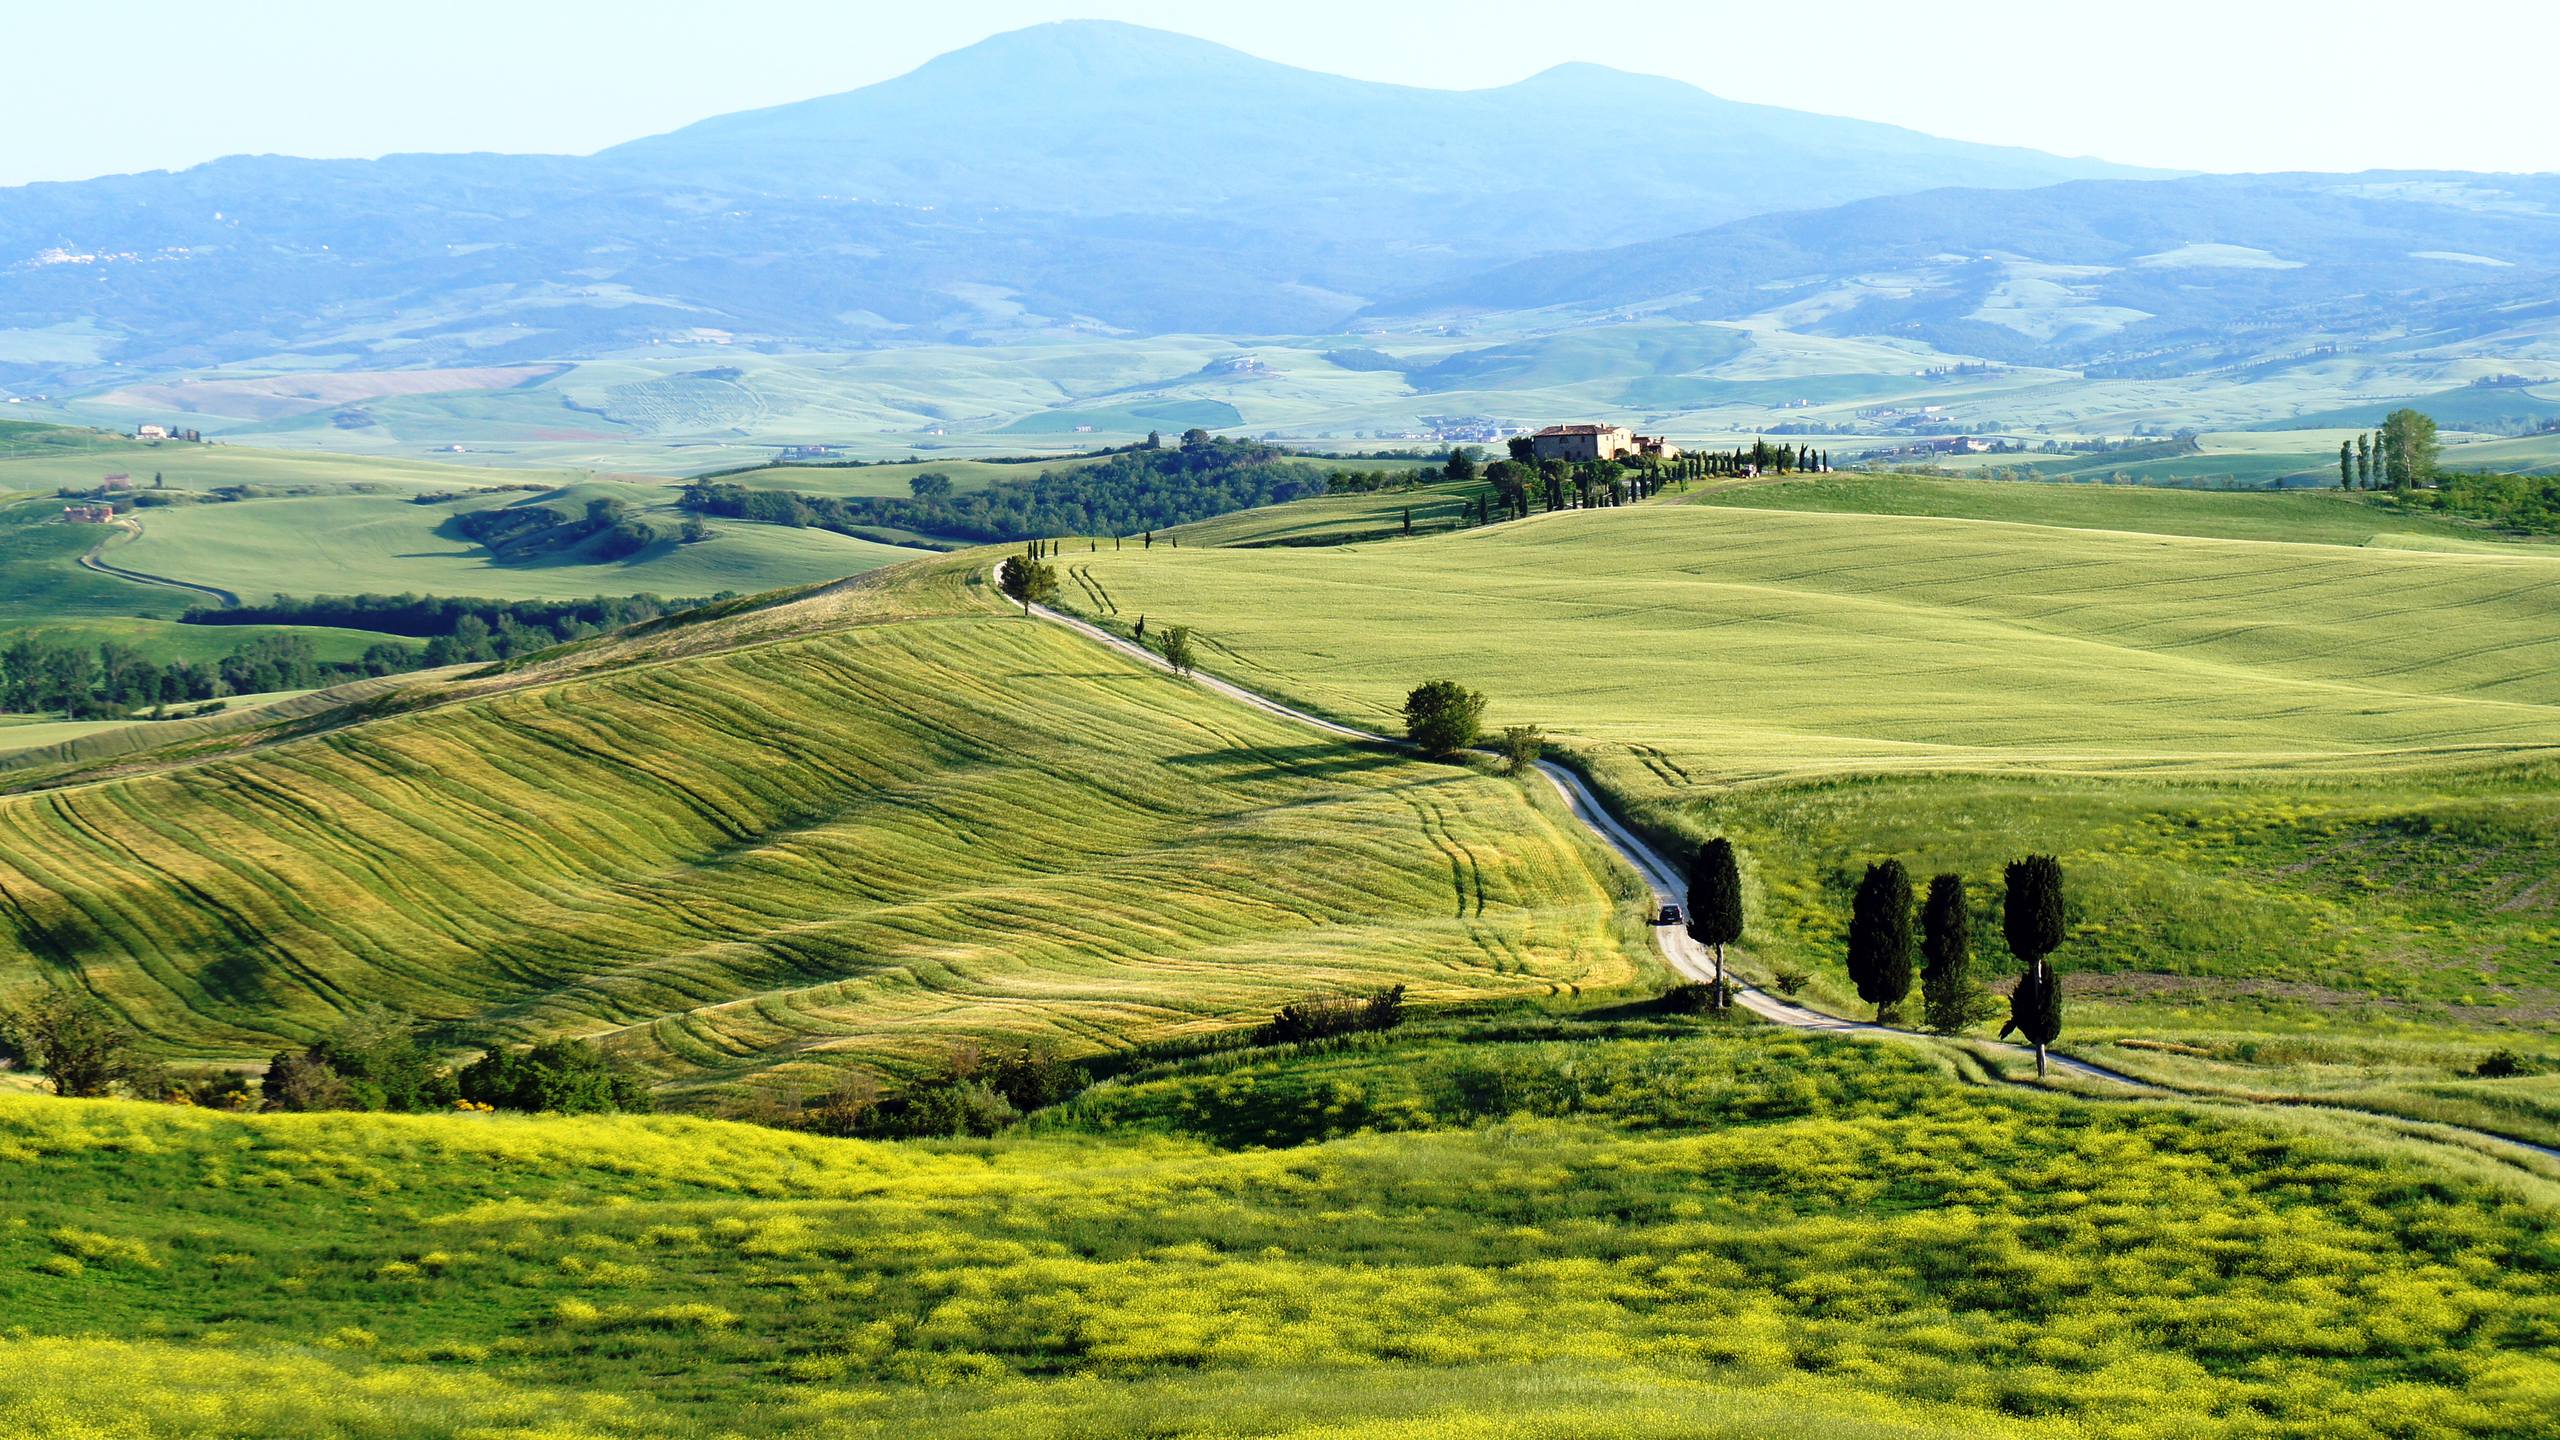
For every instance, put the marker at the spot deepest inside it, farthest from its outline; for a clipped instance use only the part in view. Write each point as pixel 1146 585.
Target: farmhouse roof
pixel 1580 429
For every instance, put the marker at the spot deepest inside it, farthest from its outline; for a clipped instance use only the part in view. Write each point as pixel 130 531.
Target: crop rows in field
pixel 864 845
pixel 1776 643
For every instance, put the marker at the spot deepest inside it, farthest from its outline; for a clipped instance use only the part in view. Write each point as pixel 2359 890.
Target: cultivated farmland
pixel 2306 792
pixel 849 831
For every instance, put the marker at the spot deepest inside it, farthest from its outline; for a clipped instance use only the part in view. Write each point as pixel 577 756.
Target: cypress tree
pixel 2364 462
pixel 1715 903
pixel 1880 937
pixel 1946 947
pixel 2031 921
pixel 2346 465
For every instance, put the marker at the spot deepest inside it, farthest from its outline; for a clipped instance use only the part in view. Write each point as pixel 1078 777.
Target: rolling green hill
pixel 339 544
pixel 2308 517
pixel 1555 1223
pixel 850 830
pixel 2306 792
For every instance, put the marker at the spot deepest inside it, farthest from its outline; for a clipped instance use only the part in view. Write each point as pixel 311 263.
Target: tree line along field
pixel 2304 792
pixel 851 831
pixel 1511 1222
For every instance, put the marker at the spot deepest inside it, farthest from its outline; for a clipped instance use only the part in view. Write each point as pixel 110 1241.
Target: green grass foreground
pixel 850 830
pixel 1511 1223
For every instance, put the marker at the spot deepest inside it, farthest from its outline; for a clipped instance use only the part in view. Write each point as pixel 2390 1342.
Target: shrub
pixel 840 1112
pixel 373 1062
pixel 570 1077
pixel 2501 1065
pixel 1790 979
pixel 1696 997
pixel 1318 1016
pixel 1521 747
pixel 1031 1079
pixel 949 1109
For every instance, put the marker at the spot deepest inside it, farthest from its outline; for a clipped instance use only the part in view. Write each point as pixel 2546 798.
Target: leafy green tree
pixel 1195 438
pixel 76 1043
pixel 2031 920
pixel 1442 717
pixel 1155 439
pixel 2409 448
pixel 932 485
pixel 2364 461
pixel 567 1077
pixel 374 1061
pixel 1949 999
pixel 1880 937
pixel 1522 745
pixel 1461 466
pixel 1524 451
pixel 1033 1078
pixel 1177 650
pixel 1715 904
pixel 1028 581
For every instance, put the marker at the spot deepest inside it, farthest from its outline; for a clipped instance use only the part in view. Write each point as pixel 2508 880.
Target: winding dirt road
pixel 133 530
pixel 1688 958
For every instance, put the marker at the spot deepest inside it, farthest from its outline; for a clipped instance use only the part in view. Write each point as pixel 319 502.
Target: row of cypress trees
pixel 1881 947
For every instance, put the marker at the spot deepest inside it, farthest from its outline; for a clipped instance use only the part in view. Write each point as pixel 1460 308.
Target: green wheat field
pixel 2300 771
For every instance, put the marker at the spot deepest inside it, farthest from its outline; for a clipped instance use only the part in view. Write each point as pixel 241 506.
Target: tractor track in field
pixel 133 529
pixel 1690 960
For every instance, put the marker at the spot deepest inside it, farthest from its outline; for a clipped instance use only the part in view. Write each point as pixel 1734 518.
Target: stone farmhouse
pixel 1578 444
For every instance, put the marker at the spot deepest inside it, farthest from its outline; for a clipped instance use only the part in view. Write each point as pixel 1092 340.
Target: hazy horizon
pixel 2194 88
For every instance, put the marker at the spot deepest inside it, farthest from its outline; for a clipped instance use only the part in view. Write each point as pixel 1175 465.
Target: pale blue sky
pixel 2230 85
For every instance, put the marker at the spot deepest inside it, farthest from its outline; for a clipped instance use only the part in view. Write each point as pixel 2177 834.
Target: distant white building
pixel 151 432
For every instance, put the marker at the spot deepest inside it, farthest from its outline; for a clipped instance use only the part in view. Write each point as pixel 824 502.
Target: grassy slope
pixel 2313 517
pixel 2304 792
pixel 1823 643
pixel 340 544
pixel 43 589
pixel 334 524
pixel 31 466
pixel 1341 519
pixel 1632 1228
pixel 899 819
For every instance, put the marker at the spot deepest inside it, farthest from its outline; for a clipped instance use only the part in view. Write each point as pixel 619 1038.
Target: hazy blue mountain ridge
pixel 1085 174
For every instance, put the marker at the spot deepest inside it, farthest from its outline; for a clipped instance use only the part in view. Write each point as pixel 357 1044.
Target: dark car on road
pixel 1670 916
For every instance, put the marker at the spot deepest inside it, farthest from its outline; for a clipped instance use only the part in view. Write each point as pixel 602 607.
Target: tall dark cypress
pixel 2031 921
pixel 1715 902
pixel 1946 949
pixel 1880 937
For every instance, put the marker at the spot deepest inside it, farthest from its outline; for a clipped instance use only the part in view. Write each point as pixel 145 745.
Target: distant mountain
pixel 2131 278
pixel 1094 118
pixel 1086 175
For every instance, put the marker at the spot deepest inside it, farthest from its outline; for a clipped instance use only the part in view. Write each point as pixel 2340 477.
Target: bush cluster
pixel 1319 1016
